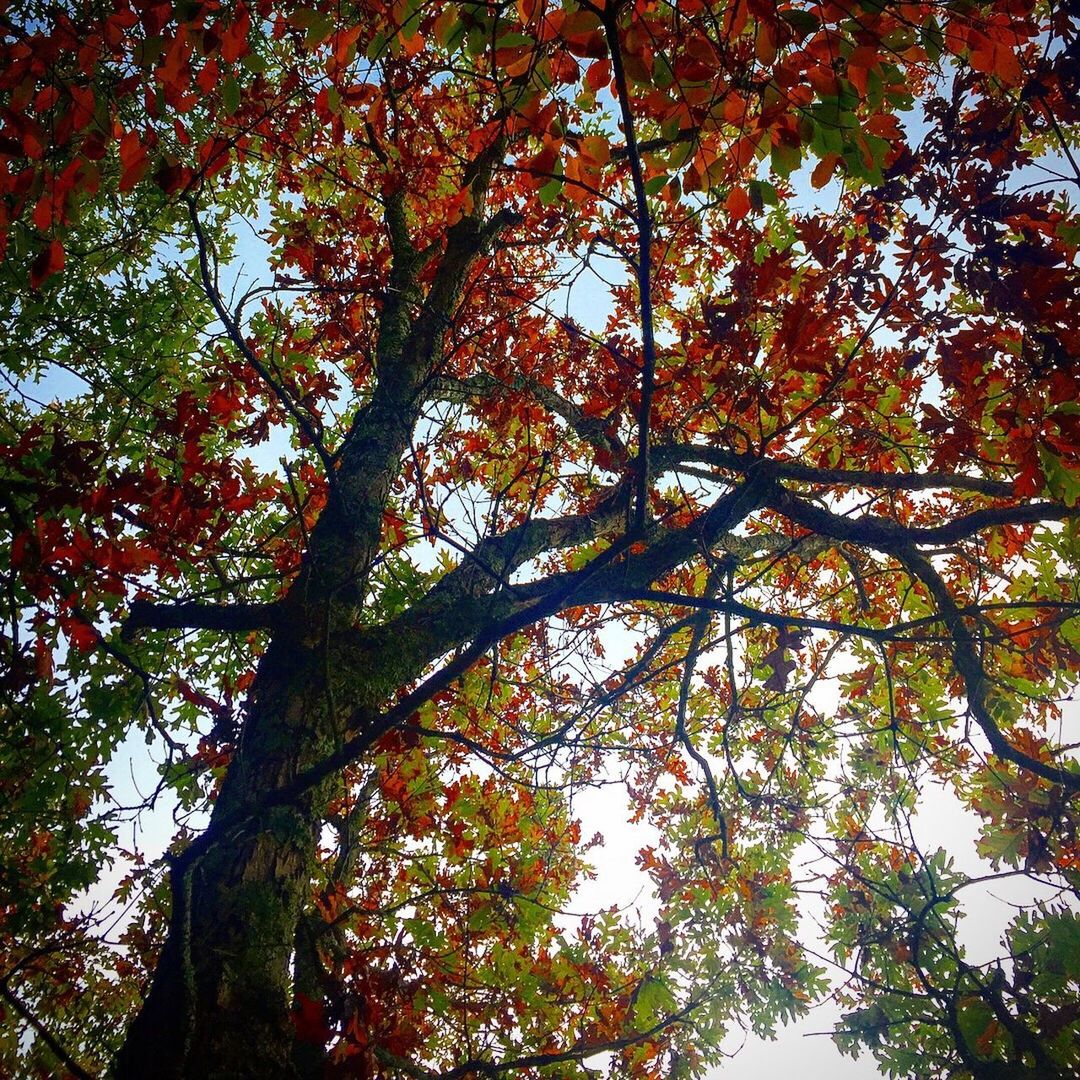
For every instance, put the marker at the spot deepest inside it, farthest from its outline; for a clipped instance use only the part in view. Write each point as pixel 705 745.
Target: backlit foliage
pixel 426 422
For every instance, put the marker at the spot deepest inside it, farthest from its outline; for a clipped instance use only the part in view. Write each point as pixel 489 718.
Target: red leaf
pixel 33 140
pixel 48 262
pixel 309 1020
pixel 598 75
pixel 81 635
pixel 234 40
pixel 1029 480
pixel 581 32
pixel 133 161
pixel 592 45
pixel 214 155
pixel 43 212
pixel 82 106
pixel 543 163
pixel 172 177
pixel 174 72
pixel 528 10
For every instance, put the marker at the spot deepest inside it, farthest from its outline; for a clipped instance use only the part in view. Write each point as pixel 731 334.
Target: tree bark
pixel 220 1000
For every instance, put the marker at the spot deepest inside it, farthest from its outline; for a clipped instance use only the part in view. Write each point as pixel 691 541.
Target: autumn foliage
pixel 441 439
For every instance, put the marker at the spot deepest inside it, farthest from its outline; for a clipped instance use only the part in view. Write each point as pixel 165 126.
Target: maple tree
pixel 394 553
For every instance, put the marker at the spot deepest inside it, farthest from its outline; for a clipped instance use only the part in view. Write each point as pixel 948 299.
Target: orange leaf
pixel 1030 479
pixel 583 36
pixel 823 79
pixel 542 163
pixel 823 171
pixel 738 203
pixel 528 10
pixel 596 149
pixel 743 152
pixel 884 125
pixel 1007 66
pixel 174 71
pixel 735 19
pixel 412 45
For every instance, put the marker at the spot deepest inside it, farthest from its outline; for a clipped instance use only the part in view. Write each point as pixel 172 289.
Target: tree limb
pixel 886 534
pixel 972 672
pixel 46 1036
pixel 192 615
pixel 644 262
pixel 670 453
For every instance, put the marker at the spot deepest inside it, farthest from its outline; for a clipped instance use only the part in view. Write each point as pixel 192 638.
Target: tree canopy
pixel 421 414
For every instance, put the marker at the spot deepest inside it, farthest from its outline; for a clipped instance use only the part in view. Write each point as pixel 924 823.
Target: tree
pixel 393 552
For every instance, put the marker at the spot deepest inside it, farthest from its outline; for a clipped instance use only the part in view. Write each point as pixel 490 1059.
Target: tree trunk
pixel 220 1001
pixel 221 996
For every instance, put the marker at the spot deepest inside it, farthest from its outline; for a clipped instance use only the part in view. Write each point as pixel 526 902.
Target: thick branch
pixel 671 454
pixel 412 331
pixel 886 534
pixel 483 1067
pixel 234 618
pixel 971 670
pixel 590 429
pixel 435 629
pixel 491 562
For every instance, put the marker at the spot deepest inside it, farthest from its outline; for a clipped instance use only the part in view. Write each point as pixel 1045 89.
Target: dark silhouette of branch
pixel 46 1036
pixel 670 454
pixel 643 269
pixel 900 542
pixel 192 615
pixel 887 534
pixel 967 661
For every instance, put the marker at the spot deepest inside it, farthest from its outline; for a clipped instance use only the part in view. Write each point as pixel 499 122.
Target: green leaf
pixel 973 1017
pixel 866 1026
pixel 1061 482
pixel 230 95
pixel 651 1002
pixel 1000 845
pixel 805 22
pixel 550 192
pixel 1063 939
pixel 318 25
pixel 762 193
pixel 785 159
pixel 933 40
